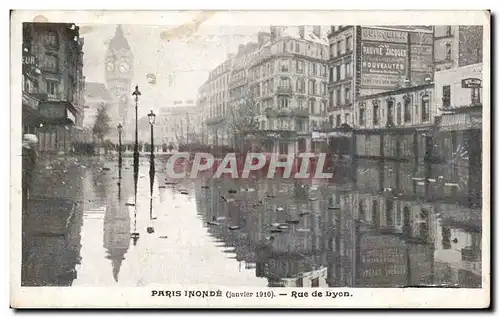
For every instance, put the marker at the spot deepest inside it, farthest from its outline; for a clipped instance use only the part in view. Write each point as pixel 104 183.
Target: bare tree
pixel 243 118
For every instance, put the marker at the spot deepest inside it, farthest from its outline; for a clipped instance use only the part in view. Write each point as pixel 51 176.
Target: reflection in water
pixel 372 234
pixel 116 231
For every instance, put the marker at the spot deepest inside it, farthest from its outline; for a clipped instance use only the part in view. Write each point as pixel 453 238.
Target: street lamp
pixel 152 117
pixel 120 129
pixel 136 95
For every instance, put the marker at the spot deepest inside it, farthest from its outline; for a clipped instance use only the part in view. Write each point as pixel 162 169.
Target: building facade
pixel 57 50
pixel 179 124
pixel 216 95
pixel 459 100
pixel 284 77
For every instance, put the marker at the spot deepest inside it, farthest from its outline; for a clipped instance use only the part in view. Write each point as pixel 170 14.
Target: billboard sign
pixel 421 58
pixel 53 111
pixel 383 65
pixel 386 36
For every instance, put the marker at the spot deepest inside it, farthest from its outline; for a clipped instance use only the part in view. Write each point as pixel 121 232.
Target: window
pixel 297 47
pixel 348 43
pixel 398 114
pixel 347 91
pixel 50 62
pixel 312 87
pixel 312 106
pixel 330 100
pixel 284 46
pixel 324 90
pixel 325 71
pixel 330 79
pixel 337 71
pixel 346 118
pixel 362 115
pixel 323 107
pixel 425 108
pixel 284 82
pixel 348 69
pixel 362 216
pixel 285 66
pixel 283 147
pixel 333 48
pixel 283 103
pixel 300 85
pixel 338 121
pixel 330 120
pixel 300 67
pixel 448 52
pixel 50 38
pixel 339 44
pixel 476 96
pixel 337 97
pixel 390 112
pixel 300 103
pixel 300 125
pixel 407 110
pixel 375 114
pixel 51 87
pixel 446 96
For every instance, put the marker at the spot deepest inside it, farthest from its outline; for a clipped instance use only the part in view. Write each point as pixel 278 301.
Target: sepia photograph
pixel 225 159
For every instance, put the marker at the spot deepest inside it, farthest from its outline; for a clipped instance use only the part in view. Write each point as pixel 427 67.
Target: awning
pixel 460 121
pixel 57 113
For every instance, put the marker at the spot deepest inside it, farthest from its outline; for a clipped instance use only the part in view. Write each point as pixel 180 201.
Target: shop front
pixel 55 132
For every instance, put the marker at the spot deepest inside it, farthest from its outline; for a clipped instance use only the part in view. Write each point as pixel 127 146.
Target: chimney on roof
pixel 275 32
pixel 317 30
pixel 302 31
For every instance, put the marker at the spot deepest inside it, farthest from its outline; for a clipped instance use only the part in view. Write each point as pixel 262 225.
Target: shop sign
pixel 383 65
pixel 318 135
pixel 53 111
pixel 380 35
pixel 471 83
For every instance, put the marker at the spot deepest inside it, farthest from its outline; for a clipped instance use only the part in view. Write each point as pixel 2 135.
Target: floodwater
pixel 255 232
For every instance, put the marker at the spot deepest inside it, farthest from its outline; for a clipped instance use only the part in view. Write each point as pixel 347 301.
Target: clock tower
pixel 119 73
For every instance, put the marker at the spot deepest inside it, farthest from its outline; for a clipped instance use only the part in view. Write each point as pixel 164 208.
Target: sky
pixel 181 64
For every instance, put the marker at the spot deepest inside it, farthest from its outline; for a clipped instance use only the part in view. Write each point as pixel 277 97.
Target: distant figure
pixel 30 159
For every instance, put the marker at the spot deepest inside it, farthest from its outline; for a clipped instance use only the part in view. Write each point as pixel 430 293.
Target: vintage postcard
pixel 260 159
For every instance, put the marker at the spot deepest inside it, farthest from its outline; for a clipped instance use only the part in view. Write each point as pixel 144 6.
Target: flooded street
pixel 254 232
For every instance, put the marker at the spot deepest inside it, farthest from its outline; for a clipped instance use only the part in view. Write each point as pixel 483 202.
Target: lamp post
pixel 152 117
pixel 136 95
pixel 428 139
pixel 120 129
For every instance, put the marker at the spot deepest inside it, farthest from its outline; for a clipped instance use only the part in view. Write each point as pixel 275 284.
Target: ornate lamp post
pixel 120 129
pixel 152 117
pixel 136 95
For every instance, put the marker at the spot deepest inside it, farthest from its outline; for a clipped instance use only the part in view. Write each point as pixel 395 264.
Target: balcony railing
pixel 284 90
pixel 301 112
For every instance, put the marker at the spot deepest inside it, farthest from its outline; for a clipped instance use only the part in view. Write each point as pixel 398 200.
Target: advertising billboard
pixel 383 65
pixel 387 36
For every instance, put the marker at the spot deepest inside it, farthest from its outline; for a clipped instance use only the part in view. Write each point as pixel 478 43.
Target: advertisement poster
pixel 383 65
pixel 390 36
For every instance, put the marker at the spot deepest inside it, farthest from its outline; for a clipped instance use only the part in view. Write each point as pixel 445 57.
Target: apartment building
pixel 459 82
pixel 58 85
pixel 179 123
pixel 217 97
pixel 288 77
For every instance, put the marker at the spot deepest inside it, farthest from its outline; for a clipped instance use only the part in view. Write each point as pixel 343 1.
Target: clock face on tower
pixel 124 67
